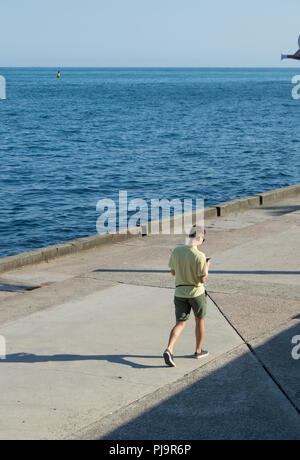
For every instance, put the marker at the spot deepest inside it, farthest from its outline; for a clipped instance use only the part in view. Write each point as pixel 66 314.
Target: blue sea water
pixel 217 134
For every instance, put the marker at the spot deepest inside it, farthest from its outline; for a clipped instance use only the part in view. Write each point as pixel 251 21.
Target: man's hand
pixel 202 279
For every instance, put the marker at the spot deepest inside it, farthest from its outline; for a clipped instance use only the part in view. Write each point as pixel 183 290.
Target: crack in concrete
pixel 259 360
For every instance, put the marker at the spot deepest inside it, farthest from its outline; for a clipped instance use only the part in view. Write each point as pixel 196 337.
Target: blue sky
pixel 193 33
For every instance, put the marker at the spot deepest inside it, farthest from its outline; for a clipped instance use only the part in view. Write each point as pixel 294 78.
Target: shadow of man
pixel 29 358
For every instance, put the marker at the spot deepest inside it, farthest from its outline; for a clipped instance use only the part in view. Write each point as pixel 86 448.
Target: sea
pixel 211 133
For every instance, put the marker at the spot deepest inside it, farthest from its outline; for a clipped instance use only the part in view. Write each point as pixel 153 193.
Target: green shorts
pixel 184 306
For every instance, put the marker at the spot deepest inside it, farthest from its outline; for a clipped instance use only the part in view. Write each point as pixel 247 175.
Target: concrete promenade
pixel 84 352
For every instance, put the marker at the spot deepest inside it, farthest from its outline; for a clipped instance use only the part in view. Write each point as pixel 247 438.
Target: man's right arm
pixel 202 279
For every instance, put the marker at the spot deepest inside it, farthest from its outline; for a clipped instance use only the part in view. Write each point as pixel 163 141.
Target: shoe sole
pixel 168 360
pixel 201 357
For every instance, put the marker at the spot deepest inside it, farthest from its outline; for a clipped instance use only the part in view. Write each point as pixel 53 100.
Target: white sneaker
pixel 201 355
pixel 169 359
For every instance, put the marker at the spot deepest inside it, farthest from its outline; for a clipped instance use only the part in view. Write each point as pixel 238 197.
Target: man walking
pixel 190 268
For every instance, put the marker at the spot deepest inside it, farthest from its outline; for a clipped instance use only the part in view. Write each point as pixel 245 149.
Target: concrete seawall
pixel 71 247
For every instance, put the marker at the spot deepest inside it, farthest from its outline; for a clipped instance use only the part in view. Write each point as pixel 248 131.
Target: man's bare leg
pixel 175 334
pixel 200 333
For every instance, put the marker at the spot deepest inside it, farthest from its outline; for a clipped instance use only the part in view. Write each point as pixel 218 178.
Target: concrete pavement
pixel 84 351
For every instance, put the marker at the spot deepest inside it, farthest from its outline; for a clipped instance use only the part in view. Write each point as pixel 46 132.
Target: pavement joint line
pixel 251 349
pixel 91 278
pixel 126 283
pixel 144 285
pixel 139 285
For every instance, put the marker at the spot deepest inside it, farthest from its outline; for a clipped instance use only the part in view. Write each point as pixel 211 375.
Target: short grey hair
pixel 197 231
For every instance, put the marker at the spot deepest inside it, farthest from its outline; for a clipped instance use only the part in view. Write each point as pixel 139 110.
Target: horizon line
pixel 141 67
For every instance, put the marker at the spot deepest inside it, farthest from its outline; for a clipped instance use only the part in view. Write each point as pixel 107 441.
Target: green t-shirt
pixel 189 264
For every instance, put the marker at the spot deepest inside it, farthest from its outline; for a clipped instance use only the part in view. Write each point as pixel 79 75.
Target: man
pixel 190 268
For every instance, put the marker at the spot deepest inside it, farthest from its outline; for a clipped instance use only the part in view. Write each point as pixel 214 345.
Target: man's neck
pixel 193 245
